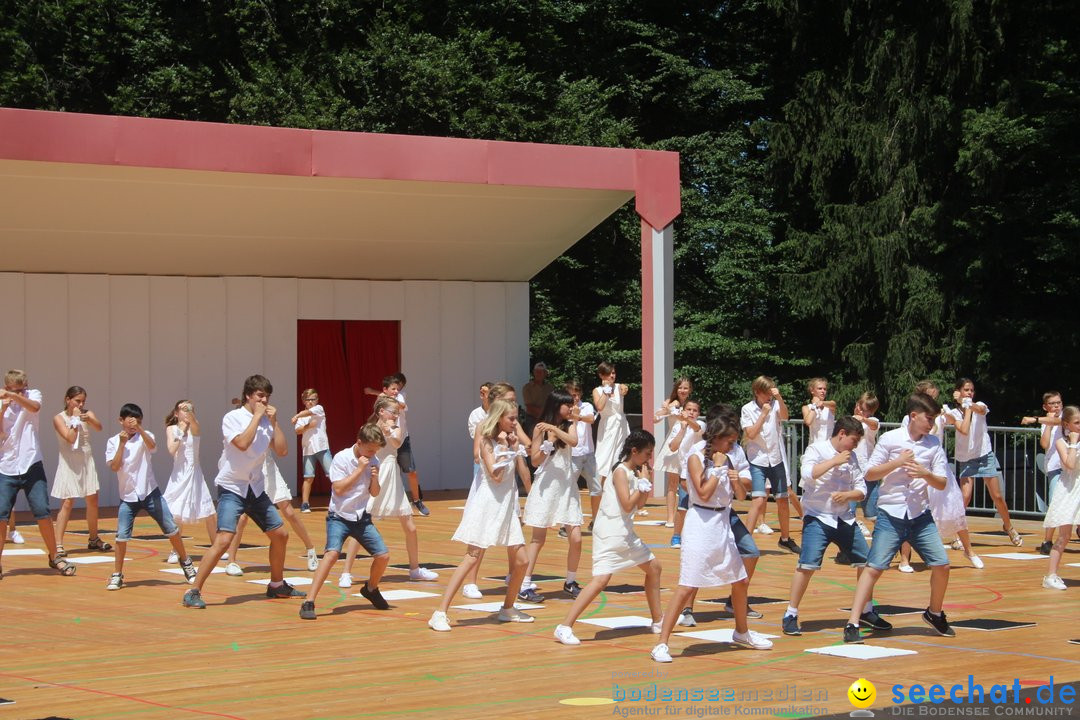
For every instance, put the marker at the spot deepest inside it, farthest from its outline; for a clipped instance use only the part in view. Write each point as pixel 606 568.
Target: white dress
pixel 391 500
pixel 667 460
pixel 187 495
pixel 490 516
pixel 554 498
pixel 276 487
pixel 615 544
pixel 1065 504
pixel 611 433
pixel 710 557
pixel 76 474
pixel 947 506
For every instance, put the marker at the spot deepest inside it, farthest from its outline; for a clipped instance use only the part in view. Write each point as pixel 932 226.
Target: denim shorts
pixel 154 505
pixel 231 506
pixel 322 458
pixel 743 539
pixel 1053 484
pixel 816 536
pixel 684 498
pixel 34 486
pixel 585 465
pixel 890 532
pixel 404 456
pixel 981 467
pixel 776 474
pixel 361 530
pixel 868 503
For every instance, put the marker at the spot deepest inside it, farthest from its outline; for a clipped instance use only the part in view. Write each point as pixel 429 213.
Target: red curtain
pixel 339 358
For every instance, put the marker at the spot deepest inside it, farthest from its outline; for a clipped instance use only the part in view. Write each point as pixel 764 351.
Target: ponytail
pixel 637 440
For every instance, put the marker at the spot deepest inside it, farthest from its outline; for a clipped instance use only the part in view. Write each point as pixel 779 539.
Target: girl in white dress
pixel 391 500
pixel 710 555
pixel 1064 510
pixel 613 429
pixel 616 546
pixel 554 498
pixel 76 475
pixel 667 465
pixel 490 516
pixel 187 494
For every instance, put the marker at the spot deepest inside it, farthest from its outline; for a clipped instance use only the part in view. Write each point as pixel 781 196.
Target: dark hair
pixel 723 410
pixel 961 382
pixel 869 400
pixel 254 384
pixel 719 427
pixel 370 433
pixel 849 425
pixel 550 415
pixel 399 378
pixel 921 402
pixel 171 418
pixel 389 380
pixel 75 390
pixel 573 386
pixel 675 388
pixel 637 440
pixel 130 410
pixel 604 369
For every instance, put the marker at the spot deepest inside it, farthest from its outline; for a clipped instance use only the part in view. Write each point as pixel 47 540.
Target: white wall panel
pixel 209 386
pixel 13 300
pixel 387 300
pixel 316 299
pixel 421 356
pixel 168 362
pixel 129 363
pixel 352 300
pixel 456 395
pixel 489 336
pixel 280 303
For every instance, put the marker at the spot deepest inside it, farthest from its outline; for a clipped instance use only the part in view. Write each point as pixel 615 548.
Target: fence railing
pixel 1018 452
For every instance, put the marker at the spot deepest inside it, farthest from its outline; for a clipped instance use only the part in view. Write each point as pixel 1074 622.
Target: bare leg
pixel 652 588
pixel 211 526
pixel 586 596
pixel 91 518
pixel 412 542
pixel 305 490
pixel 294 521
pixel 211 556
pixel 573 553
pixel 177 542
pixel 118 556
pixel 799 582
pixel 48 534
pixel 965 540
pixel 594 504
pixel 905 553
pixel 756 514
pixel 518 560
pixel 864 590
pixel 325 566
pixel 414 485
pixel 784 513
pixel 474 573
pixel 234 543
pixel 939 583
pixel 62 518
pixel 738 603
pixel 1064 533
pixel 351 548
pixel 680 520
pixel 378 567
pixel 966 488
pixel 671 492
pixel 674 609
pixel 472 554
pixel 536 544
pixel 994 486
pixel 279 541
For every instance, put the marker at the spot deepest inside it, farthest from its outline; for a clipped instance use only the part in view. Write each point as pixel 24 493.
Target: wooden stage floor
pixel 73 650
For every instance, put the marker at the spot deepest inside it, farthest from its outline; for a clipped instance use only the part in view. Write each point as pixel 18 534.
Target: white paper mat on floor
pixel 1073 564
pixel 490 607
pixel 403 594
pixel 649 522
pixel 90 559
pixel 457 507
pixel 619 623
pixel 180 571
pixel 1016 556
pixel 23 551
pixel 722 635
pixel 860 652
pixel 294 581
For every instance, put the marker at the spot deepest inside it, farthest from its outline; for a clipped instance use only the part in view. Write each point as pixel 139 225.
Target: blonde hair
pixel 814 381
pixel 869 401
pixel 499 389
pixel 499 408
pixel 308 393
pixel 15 376
pixel 383 402
pixel 1069 414
pixel 370 433
pixel 762 384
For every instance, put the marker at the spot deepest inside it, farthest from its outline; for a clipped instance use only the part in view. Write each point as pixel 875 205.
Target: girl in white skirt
pixel 76 475
pixel 490 516
pixel 1064 510
pixel 616 546
pixel 391 500
pixel 667 465
pixel 710 555
pixel 613 429
pixel 187 493
pixel 554 498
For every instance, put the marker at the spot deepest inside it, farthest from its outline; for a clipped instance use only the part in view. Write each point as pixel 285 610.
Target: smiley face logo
pixel 862 693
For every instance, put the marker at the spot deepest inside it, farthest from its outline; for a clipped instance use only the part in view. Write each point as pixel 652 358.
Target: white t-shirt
pixel 865 448
pixel 584 432
pixel 21 448
pixel 816 496
pixel 723 495
pixel 402 420
pixel 352 504
pixel 1053 457
pixel 763 450
pixel 314 439
pixel 901 495
pixel 475 418
pixel 239 470
pixel 977 441
pixel 690 439
pixel 736 456
pixel 136 473
pixel 821 423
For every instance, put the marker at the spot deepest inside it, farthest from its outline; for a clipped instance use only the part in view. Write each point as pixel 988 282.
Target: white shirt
pixel 901 495
pixel 816 498
pixel 821 423
pixel 736 457
pixel 763 450
pixel 21 448
pixel 314 439
pixel 402 421
pixel 1053 457
pixel 240 470
pixel 977 441
pixel 136 474
pixel 723 495
pixel 475 418
pixel 869 439
pixel 584 431
pixel 351 505
pixel 690 439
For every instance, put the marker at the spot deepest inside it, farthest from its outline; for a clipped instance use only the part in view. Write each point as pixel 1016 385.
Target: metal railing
pixel 1022 460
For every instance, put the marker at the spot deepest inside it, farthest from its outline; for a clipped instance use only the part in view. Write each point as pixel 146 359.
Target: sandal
pixel 98 544
pixel 63 566
pixel 1014 537
pixel 61 553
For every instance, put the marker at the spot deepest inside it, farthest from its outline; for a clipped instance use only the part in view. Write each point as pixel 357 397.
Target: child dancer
pixel 76 474
pixel 685 434
pixel 865 407
pixel 391 500
pixel 490 516
pixel 613 429
pixel 819 414
pixel 187 493
pixel 616 546
pixel 583 456
pixel 709 556
pixel 1048 437
pixel 1064 511
pixel 666 462
pixel 310 424
pixel 354 479
pixel 763 442
pixel 554 499
pixel 975 454
pixel 129 457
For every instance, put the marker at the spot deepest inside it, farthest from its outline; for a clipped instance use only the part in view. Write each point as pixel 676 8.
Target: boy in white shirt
pixel 906 460
pixel 831 479
pixel 248 432
pixel 865 408
pixel 128 454
pixel 21 466
pixel 1051 433
pixel 394 386
pixel 763 442
pixel 354 480
pixel 583 456
pixel 310 425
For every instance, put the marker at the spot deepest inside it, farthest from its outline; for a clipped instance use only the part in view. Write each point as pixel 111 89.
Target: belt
pixel 705 507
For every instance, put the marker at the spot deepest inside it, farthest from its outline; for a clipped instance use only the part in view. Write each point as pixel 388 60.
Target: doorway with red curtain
pixel 339 359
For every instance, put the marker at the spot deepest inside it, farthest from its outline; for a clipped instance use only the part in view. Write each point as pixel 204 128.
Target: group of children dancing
pixel 902 480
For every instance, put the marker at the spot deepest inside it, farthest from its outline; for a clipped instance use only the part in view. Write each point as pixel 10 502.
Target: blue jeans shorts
pixel 981 467
pixel 322 458
pixel 743 539
pixel 585 466
pixel 231 506
pixel 868 503
pixel 361 530
pixel 890 532
pixel 404 456
pixel 816 536
pixel 34 486
pixel 154 505
pixel 1053 484
pixel 684 497
pixel 776 474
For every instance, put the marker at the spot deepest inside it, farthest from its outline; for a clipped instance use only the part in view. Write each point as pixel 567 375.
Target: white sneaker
pixel 686 619
pixel 312 560
pixel 751 640
pixel 905 568
pixel 976 561
pixel 657 626
pixel 224 556
pixel 234 570
pixel 345 581
pixel 423 574
pixel 864 530
pixel 472 592
pixel 439 622
pixel 565 635
pixel 116 581
pixel 660 653
pixel 642 512
pixel 764 529
pixel 173 558
pixel 16 537
pixel 514 615
pixel 1053 582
